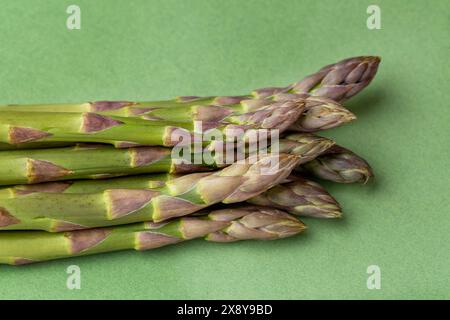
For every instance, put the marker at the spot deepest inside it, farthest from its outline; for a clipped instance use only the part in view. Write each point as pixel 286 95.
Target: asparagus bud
pixel 301 197
pixel 339 165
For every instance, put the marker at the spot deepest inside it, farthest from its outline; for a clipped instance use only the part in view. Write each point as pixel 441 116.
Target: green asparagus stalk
pixel 31 145
pixel 338 81
pixel 147 181
pixel 301 197
pixel 221 225
pixel 24 127
pixel 182 109
pixel 103 161
pixel 88 162
pixel 321 114
pixel 339 165
pixel 181 196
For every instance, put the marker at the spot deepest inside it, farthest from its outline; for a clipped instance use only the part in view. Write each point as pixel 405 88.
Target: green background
pixel 142 50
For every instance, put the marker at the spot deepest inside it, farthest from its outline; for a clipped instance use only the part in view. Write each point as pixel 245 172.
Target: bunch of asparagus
pixel 79 179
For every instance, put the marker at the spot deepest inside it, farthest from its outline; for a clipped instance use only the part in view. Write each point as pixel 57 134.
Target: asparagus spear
pixel 339 165
pixel 321 114
pixel 103 161
pixel 25 127
pixel 338 81
pixel 301 197
pixel 181 196
pixel 222 225
pixel 182 109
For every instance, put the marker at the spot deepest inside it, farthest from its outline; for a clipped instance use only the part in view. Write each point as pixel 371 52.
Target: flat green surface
pixel 140 50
